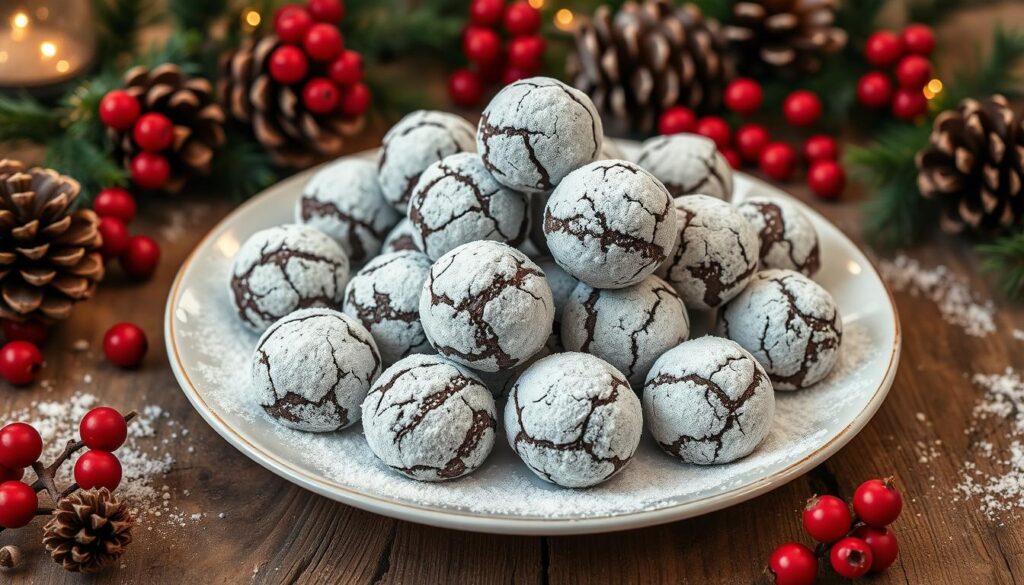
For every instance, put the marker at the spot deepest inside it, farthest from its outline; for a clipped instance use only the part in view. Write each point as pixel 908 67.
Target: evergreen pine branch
pixel 1004 258
pixel 196 15
pixel 382 33
pixel 23 118
pixel 118 24
pixel 241 167
pixel 998 73
pixel 87 163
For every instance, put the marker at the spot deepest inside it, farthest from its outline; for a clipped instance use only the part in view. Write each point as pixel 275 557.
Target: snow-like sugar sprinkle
pixel 951 293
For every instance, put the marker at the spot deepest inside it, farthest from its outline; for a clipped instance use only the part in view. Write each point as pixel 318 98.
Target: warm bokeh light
pixel 252 18
pixel 48 49
pixel 932 89
pixel 564 19
pixel 63 66
pixel 538 4
pixel 3 56
pixel 42 13
pixel 19 20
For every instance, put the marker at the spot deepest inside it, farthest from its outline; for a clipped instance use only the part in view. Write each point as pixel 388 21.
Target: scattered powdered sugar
pixel 951 293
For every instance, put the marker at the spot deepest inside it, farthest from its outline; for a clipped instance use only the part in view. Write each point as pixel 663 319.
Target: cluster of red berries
pixel 152 132
pixel 138 254
pixel 855 544
pixel 521 57
pixel 906 56
pixel 102 431
pixel 313 54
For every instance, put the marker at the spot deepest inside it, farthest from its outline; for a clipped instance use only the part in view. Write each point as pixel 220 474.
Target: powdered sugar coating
pixel 788 239
pixel 486 305
pixel 343 200
pixel 715 255
pixel 708 401
pixel 384 296
pixel 688 164
pixel 311 370
pixel 429 419
pixel 285 268
pixel 573 419
pixel 536 131
pixel 561 282
pixel 456 201
pixel 400 238
pixel 628 327
pixel 789 323
pixel 610 224
pixel 417 141
pixel 610 150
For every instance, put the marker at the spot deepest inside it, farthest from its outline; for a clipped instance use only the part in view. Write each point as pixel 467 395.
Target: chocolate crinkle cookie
pixel 708 401
pixel 610 224
pixel 628 327
pixel 417 141
pixel 688 164
pixel 561 282
pixel 788 239
pixel 283 269
pixel 573 419
pixel 400 238
pixel 344 201
pixel 456 201
pixel 536 131
pixel 486 305
pixel 789 323
pixel 429 419
pixel 715 255
pixel 384 296
pixel 312 369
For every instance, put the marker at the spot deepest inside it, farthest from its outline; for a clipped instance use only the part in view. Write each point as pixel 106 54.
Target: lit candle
pixel 45 42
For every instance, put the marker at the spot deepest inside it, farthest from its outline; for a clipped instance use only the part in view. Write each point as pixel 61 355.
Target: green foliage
pixel 241 167
pixel 119 22
pixel 998 73
pixel 1004 259
pixel 385 29
pixel 23 118
pixel 196 15
pixel 87 163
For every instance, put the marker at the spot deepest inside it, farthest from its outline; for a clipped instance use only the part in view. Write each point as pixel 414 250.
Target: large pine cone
pixel 786 36
pixel 974 165
pixel 88 530
pixel 294 136
pixel 49 256
pixel 649 57
pixel 190 104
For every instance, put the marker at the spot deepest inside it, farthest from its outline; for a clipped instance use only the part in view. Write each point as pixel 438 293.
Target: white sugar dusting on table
pixel 951 293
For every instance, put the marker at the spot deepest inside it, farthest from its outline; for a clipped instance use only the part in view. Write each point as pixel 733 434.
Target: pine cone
pixel 189 103
pixel 88 530
pixel 49 257
pixel 786 36
pixel 293 136
pixel 974 165
pixel 648 57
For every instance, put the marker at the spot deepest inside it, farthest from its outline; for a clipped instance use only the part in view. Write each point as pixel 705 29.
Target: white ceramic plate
pixel 209 353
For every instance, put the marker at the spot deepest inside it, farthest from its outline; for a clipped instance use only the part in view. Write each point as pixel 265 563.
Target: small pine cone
pixel 648 57
pixel 785 36
pixel 294 136
pixel 974 166
pixel 50 257
pixel 88 531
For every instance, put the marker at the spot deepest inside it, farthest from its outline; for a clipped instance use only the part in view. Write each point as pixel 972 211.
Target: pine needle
pixel 240 168
pixel 93 168
pixel 1004 259
pixel 23 118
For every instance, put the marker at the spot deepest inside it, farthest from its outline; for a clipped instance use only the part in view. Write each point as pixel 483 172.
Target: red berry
pixel 11 474
pixel 526 52
pixel 778 160
pixel 20 361
pixel 285 11
pixel 140 259
pixel 744 96
pixel 481 45
pixel 288 65
pixel 355 99
pixel 913 71
pixel 802 108
pixel 677 119
pixel 20 445
pixel 119 109
pixel 465 88
pixel 125 345
pixel 522 19
pixel 826 178
pixel 883 48
pixel 150 170
pixel 877 502
pixel 115 237
pixel 851 558
pixel 32 331
pixel 793 564
pixel 908 104
pixel 347 68
pixel 114 202
pixel 97 469
pixel 820 147
pixel 733 157
pixel 826 518
pixel 717 129
pixel 884 548
pixel 320 95
pixel 323 42
pixel 18 504
pixel 103 428
pixel 331 11
pixel 918 38
pixel 874 90
pixel 291 26
pixel 153 132
pixel 751 140
pixel 486 12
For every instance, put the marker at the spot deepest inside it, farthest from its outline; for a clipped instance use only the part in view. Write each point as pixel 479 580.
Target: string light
pixel 63 66
pixel 19 20
pixel 537 4
pixel 564 19
pixel 932 89
pixel 48 49
pixel 252 18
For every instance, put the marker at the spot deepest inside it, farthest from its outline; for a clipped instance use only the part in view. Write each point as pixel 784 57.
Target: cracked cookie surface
pixel 284 268
pixel 456 201
pixel 384 296
pixel 789 323
pixel 788 239
pixel 610 224
pixel 400 239
pixel 628 327
pixel 573 419
pixel 708 402
pixel 429 419
pixel 688 164
pixel 486 305
pixel 311 370
pixel 536 131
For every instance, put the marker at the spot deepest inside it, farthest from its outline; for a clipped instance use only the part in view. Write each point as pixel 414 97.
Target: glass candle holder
pixel 44 43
